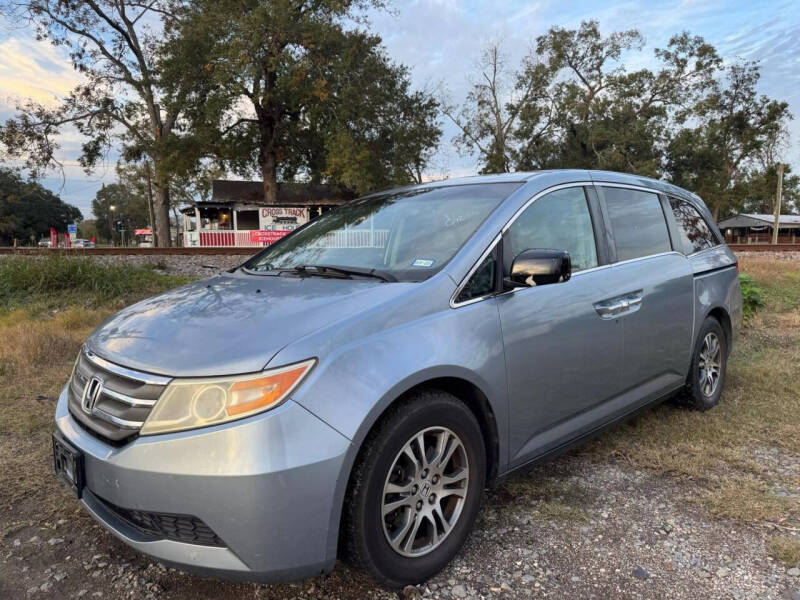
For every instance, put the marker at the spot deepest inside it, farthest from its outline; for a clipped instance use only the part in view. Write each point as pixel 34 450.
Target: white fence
pixel 342 238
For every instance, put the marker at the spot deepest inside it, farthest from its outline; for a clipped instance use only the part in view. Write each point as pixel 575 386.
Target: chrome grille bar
pixel 148 378
pixel 135 402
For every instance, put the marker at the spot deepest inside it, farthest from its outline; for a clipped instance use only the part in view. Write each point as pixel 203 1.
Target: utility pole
pixel 778 194
pixel 150 204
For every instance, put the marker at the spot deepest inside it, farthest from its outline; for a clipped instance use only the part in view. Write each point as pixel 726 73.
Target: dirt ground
pixel 675 504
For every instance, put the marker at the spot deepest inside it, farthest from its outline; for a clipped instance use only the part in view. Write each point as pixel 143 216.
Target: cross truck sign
pixel 265 236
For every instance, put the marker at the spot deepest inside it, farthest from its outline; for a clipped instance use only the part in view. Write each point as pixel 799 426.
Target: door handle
pixel 614 307
pixel 608 308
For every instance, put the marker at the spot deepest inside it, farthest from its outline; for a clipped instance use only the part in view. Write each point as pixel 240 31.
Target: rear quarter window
pixel 694 232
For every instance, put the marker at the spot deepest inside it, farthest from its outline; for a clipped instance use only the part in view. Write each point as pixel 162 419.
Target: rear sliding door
pixel 653 293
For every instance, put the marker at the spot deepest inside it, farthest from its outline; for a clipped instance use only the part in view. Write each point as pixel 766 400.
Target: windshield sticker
pixel 423 262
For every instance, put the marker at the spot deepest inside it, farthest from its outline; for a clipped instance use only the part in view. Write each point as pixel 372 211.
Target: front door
pixel 563 359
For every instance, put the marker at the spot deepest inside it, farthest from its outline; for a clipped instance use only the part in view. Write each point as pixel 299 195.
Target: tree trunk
pixel 269 173
pixel 161 209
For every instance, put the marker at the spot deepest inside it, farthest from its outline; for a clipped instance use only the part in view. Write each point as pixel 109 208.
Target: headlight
pixel 191 403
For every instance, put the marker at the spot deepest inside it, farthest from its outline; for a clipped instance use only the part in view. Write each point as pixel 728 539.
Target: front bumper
pixel 268 486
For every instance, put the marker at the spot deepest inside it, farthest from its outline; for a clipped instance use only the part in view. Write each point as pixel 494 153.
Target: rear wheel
pixel 415 490
pixel 709 361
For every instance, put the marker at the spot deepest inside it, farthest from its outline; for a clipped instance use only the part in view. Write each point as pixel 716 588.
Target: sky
pixel 441 42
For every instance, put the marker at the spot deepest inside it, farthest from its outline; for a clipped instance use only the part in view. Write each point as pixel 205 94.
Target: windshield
pixel 409 235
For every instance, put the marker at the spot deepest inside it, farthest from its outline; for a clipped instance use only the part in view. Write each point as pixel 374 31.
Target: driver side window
pixel 559 220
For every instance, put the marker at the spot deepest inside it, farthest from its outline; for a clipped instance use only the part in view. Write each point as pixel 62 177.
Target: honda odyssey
pixel 352 388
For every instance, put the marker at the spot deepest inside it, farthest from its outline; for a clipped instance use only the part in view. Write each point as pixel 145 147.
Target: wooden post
pixel 150 206
pixel 778 194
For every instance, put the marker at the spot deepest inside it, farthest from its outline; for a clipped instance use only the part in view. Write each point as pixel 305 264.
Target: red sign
pixel 142 232
pixel 266 236
pixel 67 241
pixel 53 238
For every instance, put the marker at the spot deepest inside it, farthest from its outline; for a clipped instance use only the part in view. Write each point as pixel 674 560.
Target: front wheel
pixel 709 361
pixel 415 490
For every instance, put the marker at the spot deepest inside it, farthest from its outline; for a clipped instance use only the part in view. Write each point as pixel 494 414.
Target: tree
pixel 488 118
pixel 733 126
pixel 380 133
pixel 573 104
pixel 28 210
pixel 87 229
pixel 118 208
pixel 116 45
pixel 603 116
pixel 287 80
pixel 759 191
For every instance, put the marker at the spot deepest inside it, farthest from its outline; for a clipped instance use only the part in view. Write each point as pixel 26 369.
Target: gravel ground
pixel 575 528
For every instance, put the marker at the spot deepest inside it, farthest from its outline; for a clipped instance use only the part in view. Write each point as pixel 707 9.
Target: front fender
pixel 355 382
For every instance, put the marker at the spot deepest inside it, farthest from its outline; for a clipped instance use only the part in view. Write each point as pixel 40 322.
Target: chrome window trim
pixel 147 378
pixel 648 257
pixel 704 250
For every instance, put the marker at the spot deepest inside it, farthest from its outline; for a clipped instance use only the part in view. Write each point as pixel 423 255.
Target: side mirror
pixel 539 266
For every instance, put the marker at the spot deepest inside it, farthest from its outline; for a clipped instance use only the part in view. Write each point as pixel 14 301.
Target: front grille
pixel 110 401
pixel 177 528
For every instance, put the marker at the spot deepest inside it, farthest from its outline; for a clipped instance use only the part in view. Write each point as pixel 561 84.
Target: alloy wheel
pixel 709 364
pixel 425 491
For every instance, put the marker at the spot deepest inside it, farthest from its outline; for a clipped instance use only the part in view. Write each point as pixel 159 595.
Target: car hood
pixel 232 323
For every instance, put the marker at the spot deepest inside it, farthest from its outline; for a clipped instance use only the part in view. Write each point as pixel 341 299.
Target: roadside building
pixel 755 228
pixel 237 215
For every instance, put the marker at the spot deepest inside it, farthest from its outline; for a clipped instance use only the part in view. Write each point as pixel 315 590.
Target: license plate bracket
pixel 68 464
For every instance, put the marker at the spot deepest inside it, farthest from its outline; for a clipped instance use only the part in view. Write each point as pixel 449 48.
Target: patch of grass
pixel 554 499
pixel 746 499
pixel 785 549
pixel 45 340
pixel 779 281
pixel 558 511
pixel 58 281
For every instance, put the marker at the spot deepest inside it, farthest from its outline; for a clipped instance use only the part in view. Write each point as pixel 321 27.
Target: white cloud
pixel 34 70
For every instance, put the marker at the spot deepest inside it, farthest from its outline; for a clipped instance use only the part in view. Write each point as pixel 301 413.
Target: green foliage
pixel 117 48
pixel 61 281
pixel 28 210
pixel 751 295
pixel 130 210
pixel 295 91
pixel 734 124
pixel 573 103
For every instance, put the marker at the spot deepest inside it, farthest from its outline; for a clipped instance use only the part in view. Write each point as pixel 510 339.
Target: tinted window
pixel 561 221
pixel 695 233
pixel 482 281
pixel 411 234
pixel 638 223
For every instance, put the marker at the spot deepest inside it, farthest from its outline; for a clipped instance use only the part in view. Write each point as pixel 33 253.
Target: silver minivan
pixel 351 389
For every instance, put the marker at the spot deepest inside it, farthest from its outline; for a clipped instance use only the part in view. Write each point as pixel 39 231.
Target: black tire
pixel 697 394
pixel 365 541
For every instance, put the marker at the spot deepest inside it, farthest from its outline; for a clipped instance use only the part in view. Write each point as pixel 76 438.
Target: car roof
pixel 568 175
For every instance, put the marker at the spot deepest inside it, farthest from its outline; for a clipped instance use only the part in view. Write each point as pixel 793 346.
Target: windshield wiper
pixel 337 271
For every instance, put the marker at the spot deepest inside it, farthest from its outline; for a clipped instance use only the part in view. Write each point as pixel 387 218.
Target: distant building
pixel 237 215
pixel 754 228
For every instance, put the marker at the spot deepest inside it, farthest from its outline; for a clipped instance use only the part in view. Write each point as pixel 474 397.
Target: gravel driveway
pixel 576 528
